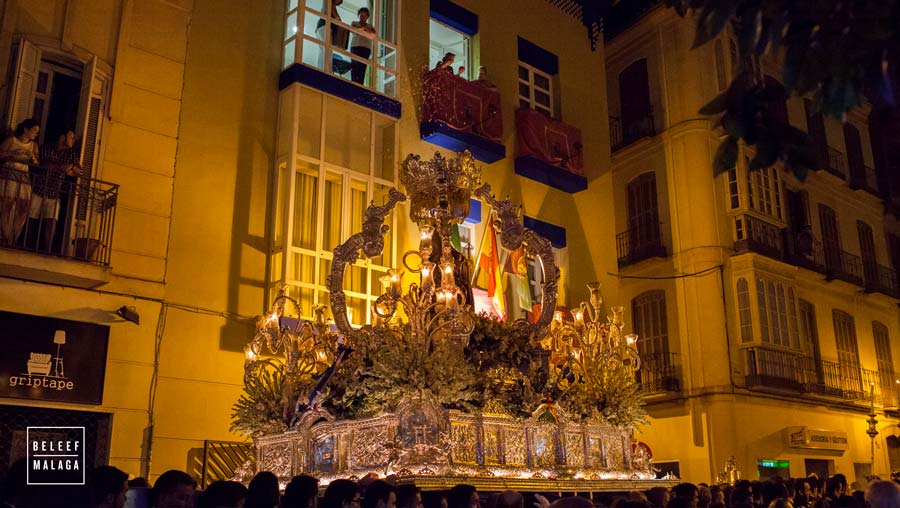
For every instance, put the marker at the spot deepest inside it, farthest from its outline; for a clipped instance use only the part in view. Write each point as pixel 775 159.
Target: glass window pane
pixel 303 267
pixel 523 73
pixel 357 311
pixel 290 28
pixel 386 83
pixel 387 56
pixel 292 4
pixel 305 297
pixel 358 202
pixel 524 90
pixel 289 49
pixel 316 5
pixel 331 224
pixel 281 197
pixel 524 104
pixel 309 138
pixel 355 279
pixel 542 98
pixel 541 81
pixel 313 54
pixel 304 206
pixel 544 110
pixel 348 135
pixel 324 270
pixel 387 21
pixel 385 137
pixel 314 26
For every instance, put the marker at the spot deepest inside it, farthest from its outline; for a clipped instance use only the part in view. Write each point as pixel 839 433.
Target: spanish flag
pixel 489 275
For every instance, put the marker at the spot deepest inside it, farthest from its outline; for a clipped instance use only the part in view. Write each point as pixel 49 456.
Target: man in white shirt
pixel 361 45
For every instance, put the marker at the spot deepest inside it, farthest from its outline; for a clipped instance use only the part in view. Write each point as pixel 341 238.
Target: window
pixel 777 313
pixel 344 160
pixel 635 110
pixel 340 39
pixel 535 89
pixel 815 126
pixel 743 294
pixel 444 39
pixel 733 193
pixel 883 356
pixel 721 79
pixel 63 93
pixel 867 250
pixel 648 314
pixel 855 161
pixel 847 349
pixel 643 213
pixel 809 330
pixel 831 240
pixel 765 191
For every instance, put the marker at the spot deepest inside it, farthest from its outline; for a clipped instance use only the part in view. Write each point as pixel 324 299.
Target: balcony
pixel 840 264
pixel 658 374
pixel 639 243
pixel 549 151
pixel 770 368
pixel 70 239
pixel 881 279
pixel 621 135
pixel 837 163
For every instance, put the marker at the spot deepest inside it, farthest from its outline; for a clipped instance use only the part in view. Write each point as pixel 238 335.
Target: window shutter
pixel 90 117
pixel 25 68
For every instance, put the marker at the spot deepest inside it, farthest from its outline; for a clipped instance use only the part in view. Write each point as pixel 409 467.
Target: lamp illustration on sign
pixel 45 370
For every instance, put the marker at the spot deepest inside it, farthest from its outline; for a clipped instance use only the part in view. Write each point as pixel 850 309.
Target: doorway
pixel 823 468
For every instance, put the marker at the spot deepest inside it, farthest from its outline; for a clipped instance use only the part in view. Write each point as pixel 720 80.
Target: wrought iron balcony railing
pixel 756 235
pixel 881 279
pixel 639 243
pixel 840 264
pixel 837 163
pixel 66 216
pixel 792 371
pixel 623 134
pixel 658 373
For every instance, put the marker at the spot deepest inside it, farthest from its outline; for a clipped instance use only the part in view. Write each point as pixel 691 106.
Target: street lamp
pixel 872 431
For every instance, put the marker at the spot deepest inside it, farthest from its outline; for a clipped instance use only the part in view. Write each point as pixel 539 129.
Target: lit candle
pixel 451 300
pixel 631 339
pixel 558 316
pixel 249 355
pixel 427 277
pixel 579 318
pixel 395 282
pixel 447 276
pixel 273 317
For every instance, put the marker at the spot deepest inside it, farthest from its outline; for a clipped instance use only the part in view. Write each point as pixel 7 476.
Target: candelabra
pixel 590 346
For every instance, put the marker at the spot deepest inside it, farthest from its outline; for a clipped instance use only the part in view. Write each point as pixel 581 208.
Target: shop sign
pixel 52 359
pixel 777 464
pixel 804 437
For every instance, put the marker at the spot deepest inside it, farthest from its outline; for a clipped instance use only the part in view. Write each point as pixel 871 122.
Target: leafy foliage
pixel 835 52
pixel 261 408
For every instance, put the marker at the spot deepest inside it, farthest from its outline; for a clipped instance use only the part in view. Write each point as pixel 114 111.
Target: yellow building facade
pixel 767 305
pixel 235 152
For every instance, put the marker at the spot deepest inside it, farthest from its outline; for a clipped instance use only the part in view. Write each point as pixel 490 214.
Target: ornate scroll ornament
pixel 371 241
pixel 513 234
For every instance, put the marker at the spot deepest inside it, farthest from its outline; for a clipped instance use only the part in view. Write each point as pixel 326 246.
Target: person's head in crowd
pixel 409 496
pixel 779 503
pixel 704 497
pixel 138 483
pixel 223 494
pixel 510 499
pixel 688 491
pixel 107 487
pixel 380 494
pixel 833 488
pixel 301 492
pixel 716 494
pixel 363 14
pixel 463 496
pixel 860 498
pixel 342 494
pixel 263 491
pixel 682 502
pixel 572 502
pixel 883 494
pixel 741 498
pixel 843 480
pixel 658 497
pixel 174 489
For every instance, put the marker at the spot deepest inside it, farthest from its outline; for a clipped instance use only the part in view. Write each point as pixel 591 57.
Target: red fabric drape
pixel 549 140
pixel 461 104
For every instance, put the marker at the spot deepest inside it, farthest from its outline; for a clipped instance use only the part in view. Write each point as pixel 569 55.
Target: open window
pixel 443 39
pixel 61 92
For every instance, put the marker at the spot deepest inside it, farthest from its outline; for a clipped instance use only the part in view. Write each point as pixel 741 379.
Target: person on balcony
pixel 16 153
pixel 59 160
pixel 339 37
pixel 361 45
pixel 446 63
pixel 461 72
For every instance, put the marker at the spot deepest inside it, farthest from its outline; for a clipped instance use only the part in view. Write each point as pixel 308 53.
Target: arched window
pixel 648 311
pixel 743 294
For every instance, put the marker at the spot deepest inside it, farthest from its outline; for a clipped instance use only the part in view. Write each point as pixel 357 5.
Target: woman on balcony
pixel 16 153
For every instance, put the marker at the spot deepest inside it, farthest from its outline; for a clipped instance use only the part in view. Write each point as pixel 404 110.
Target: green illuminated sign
pixel 777 464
